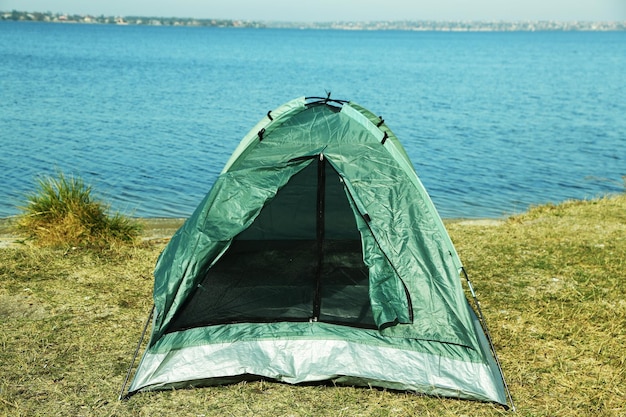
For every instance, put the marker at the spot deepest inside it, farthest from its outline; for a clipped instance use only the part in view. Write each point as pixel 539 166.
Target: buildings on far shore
pixel 420 25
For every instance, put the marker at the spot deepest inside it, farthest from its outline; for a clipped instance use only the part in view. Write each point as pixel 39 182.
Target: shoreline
pixel 419 25
pixel 163 228
pixel 153 229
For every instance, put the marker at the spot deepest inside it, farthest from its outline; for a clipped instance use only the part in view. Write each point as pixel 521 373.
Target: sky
pixel 338 10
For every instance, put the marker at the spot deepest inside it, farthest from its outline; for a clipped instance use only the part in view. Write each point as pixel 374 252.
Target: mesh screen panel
pixel 279 266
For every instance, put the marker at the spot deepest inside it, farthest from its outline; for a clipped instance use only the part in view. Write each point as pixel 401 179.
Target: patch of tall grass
pixel 61 212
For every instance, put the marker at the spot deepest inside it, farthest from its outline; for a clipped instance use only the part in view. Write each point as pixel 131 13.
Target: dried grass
pixel 61 212
pixel 552 285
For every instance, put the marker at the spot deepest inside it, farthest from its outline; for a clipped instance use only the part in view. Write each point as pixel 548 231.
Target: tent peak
pixel 324 100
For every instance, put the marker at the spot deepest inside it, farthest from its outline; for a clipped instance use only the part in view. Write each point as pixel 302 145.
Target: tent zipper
pixel 320 225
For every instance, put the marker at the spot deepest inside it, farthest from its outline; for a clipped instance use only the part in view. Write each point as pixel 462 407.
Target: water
pixel 493 122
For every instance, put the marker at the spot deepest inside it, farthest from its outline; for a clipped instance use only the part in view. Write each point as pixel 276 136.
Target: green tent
pixel 317 255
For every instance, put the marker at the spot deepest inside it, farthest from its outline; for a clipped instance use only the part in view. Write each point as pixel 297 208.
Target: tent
pixel 317 255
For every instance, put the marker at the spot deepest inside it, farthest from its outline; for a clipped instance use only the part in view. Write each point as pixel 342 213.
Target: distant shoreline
pixel 418 25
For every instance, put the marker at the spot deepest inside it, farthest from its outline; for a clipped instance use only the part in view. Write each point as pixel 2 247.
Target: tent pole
pixel 130 368
pixel 483 323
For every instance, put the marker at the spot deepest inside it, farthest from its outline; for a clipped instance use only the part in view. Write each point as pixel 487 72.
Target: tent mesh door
pixel 277 268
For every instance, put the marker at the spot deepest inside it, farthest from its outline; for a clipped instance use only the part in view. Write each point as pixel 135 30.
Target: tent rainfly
pixel 317 255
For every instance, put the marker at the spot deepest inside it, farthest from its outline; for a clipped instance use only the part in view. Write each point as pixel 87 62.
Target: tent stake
pixel 483 323
pixel 132 364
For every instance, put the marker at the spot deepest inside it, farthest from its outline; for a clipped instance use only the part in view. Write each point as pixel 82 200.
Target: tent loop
pixel 260 134
pixel 269 115
pixel 483 324
pixel 385 137
pixel 130 368
pixel 381 121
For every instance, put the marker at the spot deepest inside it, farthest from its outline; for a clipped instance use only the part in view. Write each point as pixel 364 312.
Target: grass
pixel 552 285
pixel 62 212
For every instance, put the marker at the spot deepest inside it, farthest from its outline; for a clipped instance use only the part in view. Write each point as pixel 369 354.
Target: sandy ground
pixel 7 237
pixel 479 222
pixel 155 229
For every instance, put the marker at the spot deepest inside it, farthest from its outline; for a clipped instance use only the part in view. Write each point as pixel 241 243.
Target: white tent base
pixel 297 361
